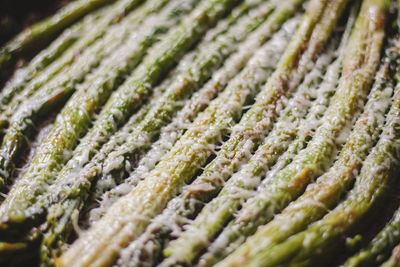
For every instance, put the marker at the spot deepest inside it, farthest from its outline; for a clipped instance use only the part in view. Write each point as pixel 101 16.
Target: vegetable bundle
pixel 202 133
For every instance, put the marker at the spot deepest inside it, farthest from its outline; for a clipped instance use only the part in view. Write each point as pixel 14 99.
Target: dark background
pixel 15 15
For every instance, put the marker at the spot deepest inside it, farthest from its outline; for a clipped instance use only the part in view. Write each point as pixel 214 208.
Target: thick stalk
pixel 247 134
pixel 375 27
pixel 58 224
pixel 61 88
pixel 319 239
pixel 182 162
pixel 269 51
pixel 99 40
pixel 38 34
pixel 319 198
pixel 76 116
pixel 198 102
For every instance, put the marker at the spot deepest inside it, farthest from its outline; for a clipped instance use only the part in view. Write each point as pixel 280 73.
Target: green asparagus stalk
pixel 198 102
pixel 58 226
pixel 169 223
pixel 379 249
pixel 319 198
pixel 253 126
pixel 210 57
pixel 76 116
pixel 35 36
pixel 119 63
pixel 104 47
pixel 46 57
pixel 245 249
pixel 306 247
pixel 195 152
pixel 192 151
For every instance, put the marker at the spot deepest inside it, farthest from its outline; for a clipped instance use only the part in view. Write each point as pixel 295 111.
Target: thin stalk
pixel 199 101
pixel 38 34
pixel 319 239
pixel 215 120
pixel 254 125
pixel 99 40
pixel 374 27
pixel 76 116
pixel 320 197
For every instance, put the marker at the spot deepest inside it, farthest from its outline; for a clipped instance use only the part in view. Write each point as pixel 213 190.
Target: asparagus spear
pixel 242 141
pixel 193 76
pixel 115 35
pixel 245 249
pixel 210 57
pixel 34 37
pixel 59 222
pixel 119 63
pixel 199 101
pixel 169 223
pixel 305 247
pixel 76 115
pixel 317 199
pixel 193 156
pixel 63 45
pixel 192 151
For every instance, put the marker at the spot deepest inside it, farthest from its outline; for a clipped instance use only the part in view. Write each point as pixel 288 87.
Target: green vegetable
pixel 371 185
pixel 76 116
pixel 291 133
pixel 197 103
pixel 319 198
pixel 254 250
pixel 100 39
pixel 209 56
pixel 313 33
pixel 192 153
pixel 34 36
